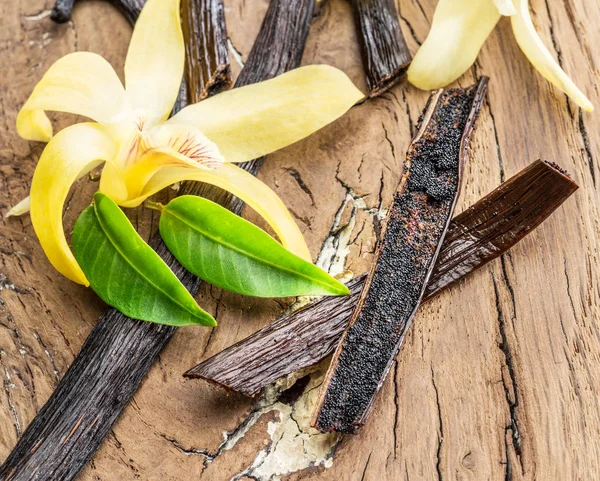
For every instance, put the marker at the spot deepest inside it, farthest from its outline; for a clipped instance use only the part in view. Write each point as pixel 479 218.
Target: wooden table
pixel 499 377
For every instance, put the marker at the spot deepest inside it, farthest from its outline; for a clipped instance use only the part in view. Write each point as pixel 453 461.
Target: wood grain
pixel 499 377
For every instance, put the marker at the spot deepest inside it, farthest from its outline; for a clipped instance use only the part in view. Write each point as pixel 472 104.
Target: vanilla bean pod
pixel 203 25
pixel 412 235
pixel 281 44
pixel 385 54
pixel 119 351
pixel 485 231
pixel 61 12
pixel 491 226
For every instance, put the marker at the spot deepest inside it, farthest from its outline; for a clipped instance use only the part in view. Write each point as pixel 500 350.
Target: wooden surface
pixel 499 377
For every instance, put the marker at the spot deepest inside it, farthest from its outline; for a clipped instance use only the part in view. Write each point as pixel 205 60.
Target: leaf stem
pixel 154 205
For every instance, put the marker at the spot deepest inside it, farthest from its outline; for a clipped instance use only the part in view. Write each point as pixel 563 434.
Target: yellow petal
pixel 505 7
pixel 112 183
pixel 72 151
pixel 458 31
pixel 252 121
pixel 155 59
pixel 537 53
pixel 244 186
pixel 80 83
pixel 21 208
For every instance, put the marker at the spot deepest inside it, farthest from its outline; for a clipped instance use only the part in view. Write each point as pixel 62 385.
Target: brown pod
pixel 203 23
pixel 410 241
pixel 385 54
pixel 280 45
pixel 61 12
pixel 494 224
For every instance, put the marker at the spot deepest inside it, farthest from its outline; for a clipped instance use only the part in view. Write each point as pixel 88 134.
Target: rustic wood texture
pixel 506 387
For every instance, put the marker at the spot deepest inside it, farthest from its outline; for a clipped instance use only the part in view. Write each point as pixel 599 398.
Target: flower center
pixel 184 145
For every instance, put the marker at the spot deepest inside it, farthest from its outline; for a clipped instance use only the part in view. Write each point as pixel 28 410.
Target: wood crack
pixel 364 473
pixel 7 385
pixel 55 370
pixel 588 149
pixel 411 29
pixel 298 178
pixel 188 451
pixel 571 301
pixel 497 140
pixel 510 390
pixel 396 409
pixel 438 462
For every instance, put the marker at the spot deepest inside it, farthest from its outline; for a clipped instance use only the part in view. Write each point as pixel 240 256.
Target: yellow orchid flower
pixel 144 152
pixel 458 31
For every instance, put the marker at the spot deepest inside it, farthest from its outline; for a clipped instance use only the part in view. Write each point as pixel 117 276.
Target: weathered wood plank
pixel 514 398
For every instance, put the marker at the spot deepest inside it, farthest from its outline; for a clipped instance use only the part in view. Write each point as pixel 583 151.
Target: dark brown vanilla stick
pixel 131 9
pixel 490 227
pixel 410 241
pixel 203 24
pixel 117 354
pixel 281 43
pixel 482 233
pixel 384 51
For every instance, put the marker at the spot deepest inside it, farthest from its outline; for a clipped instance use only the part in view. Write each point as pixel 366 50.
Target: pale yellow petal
pixel 72 151
pixel 244 186
pixel 81 83
pixel 458 31
pixel 155 59
pixel 539 56
pixel 20 208
pixel 249 122
pixel 505 7
pixel 112 183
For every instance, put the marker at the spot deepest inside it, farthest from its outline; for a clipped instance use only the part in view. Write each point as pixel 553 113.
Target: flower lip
pixel 187 145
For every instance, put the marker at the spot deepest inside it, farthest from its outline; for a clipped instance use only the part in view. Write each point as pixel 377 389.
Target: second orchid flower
pixel 459 30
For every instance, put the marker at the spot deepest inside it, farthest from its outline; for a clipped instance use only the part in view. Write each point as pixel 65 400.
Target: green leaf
pixel 126 273
pixel 230 252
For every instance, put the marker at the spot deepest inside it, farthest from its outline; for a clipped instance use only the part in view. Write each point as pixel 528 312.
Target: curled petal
pixel 244 186
pixel 21 208
pixel 112 183
pixel 76 149
pixel 252 121
pixel 80 83
pixel 539 56
pixel 458 31
pixel 155 59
